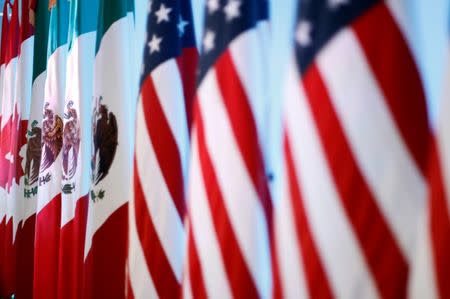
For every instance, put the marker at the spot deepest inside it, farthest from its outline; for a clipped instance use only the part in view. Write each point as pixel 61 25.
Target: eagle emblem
pixel 71 142
pixel 33 154
pixel 105 141
pixel 52 127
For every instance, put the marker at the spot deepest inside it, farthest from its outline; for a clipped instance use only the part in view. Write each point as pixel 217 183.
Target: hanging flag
pixel 76 148
pixel 229 202
pixel 431 269
pixel 114 103
pixel 4 47
pixel 157 209
pixel 8 128
pixel 24 238
pixel 48 211
pixel 355 153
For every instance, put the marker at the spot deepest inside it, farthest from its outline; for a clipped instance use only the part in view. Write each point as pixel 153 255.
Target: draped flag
pixel 48 211
pixel 229 202
pixel 157 210
pixel 76 147
pixel 8 133
pixel 355 153
pixel 432 263
pixel 4 46
pixel 23 235
pixel 113 109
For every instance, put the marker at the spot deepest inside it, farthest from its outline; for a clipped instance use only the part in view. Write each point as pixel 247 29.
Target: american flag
pixel 432 265
pixel 355 146
pixel 157 210
pixel 229 201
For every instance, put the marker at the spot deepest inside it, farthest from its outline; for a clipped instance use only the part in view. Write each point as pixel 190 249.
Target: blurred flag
pixel 24 237
pixel 39 18
pixel 76 148
pixel 230 206
pixel 48 219
pixel 432 264
pixel 355 147
pixel 114 103
pixel 157 210
pixel 4 46
pixel 8 132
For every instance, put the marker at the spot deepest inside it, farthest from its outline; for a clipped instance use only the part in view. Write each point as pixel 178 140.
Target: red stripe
pixel 2 251
pixel 439 225
pixel 13 35
pixel 241 282
pixel 244 127
pixel 71 252
pixel 382 254
pixel 396 72
pixel 195 269
pixel 48 223
pixel 316 278
pixel 164 144
pixel 25 264
pixel 163 277
pixel 9 265
pixel 104 273
pixel 187 64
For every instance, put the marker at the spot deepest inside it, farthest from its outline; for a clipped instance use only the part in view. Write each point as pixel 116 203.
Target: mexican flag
pixel 48 211
pixel 8 126
pixel 76 148
pixel 24 236
pixel 39 18
pixel 4 47
pixel 114 102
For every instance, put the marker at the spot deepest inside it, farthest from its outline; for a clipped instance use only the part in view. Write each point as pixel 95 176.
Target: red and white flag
pixel 157 210
pixel 355 152
pixel 4 46
pixel 431 269
pixel 9 124
pixel 229 203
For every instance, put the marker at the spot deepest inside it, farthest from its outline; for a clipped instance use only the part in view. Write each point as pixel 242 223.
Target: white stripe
pixel 141 282
pixel 8 91
pixel 443 136
pixel 169 88
pixel 385 161
pixel 337 246
pixel 288 250
pixel 240 198
pixel 422 282
pixel 186 291
pixel 247 54
pixel 212 265
pixel 161 207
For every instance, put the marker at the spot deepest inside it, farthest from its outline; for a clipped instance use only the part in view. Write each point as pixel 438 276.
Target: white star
pixel 213 6
pixel 232 9
pixel 303 33
pixel 333 4
pixel 163 14
pixel 181 25
pixel 209 41
pixel 155 43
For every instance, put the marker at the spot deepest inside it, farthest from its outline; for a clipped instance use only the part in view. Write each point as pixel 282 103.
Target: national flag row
pixel 120 182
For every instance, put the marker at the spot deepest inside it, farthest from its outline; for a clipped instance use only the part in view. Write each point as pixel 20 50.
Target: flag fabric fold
pixel 230 206
pixel 355 152
pixel 113 115
pixel 76 153
pixel 157 209
pixel 48 211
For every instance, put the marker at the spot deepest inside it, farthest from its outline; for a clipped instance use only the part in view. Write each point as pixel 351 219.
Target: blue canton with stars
pixel 170 28
pixel 319 21
pixel 224 21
